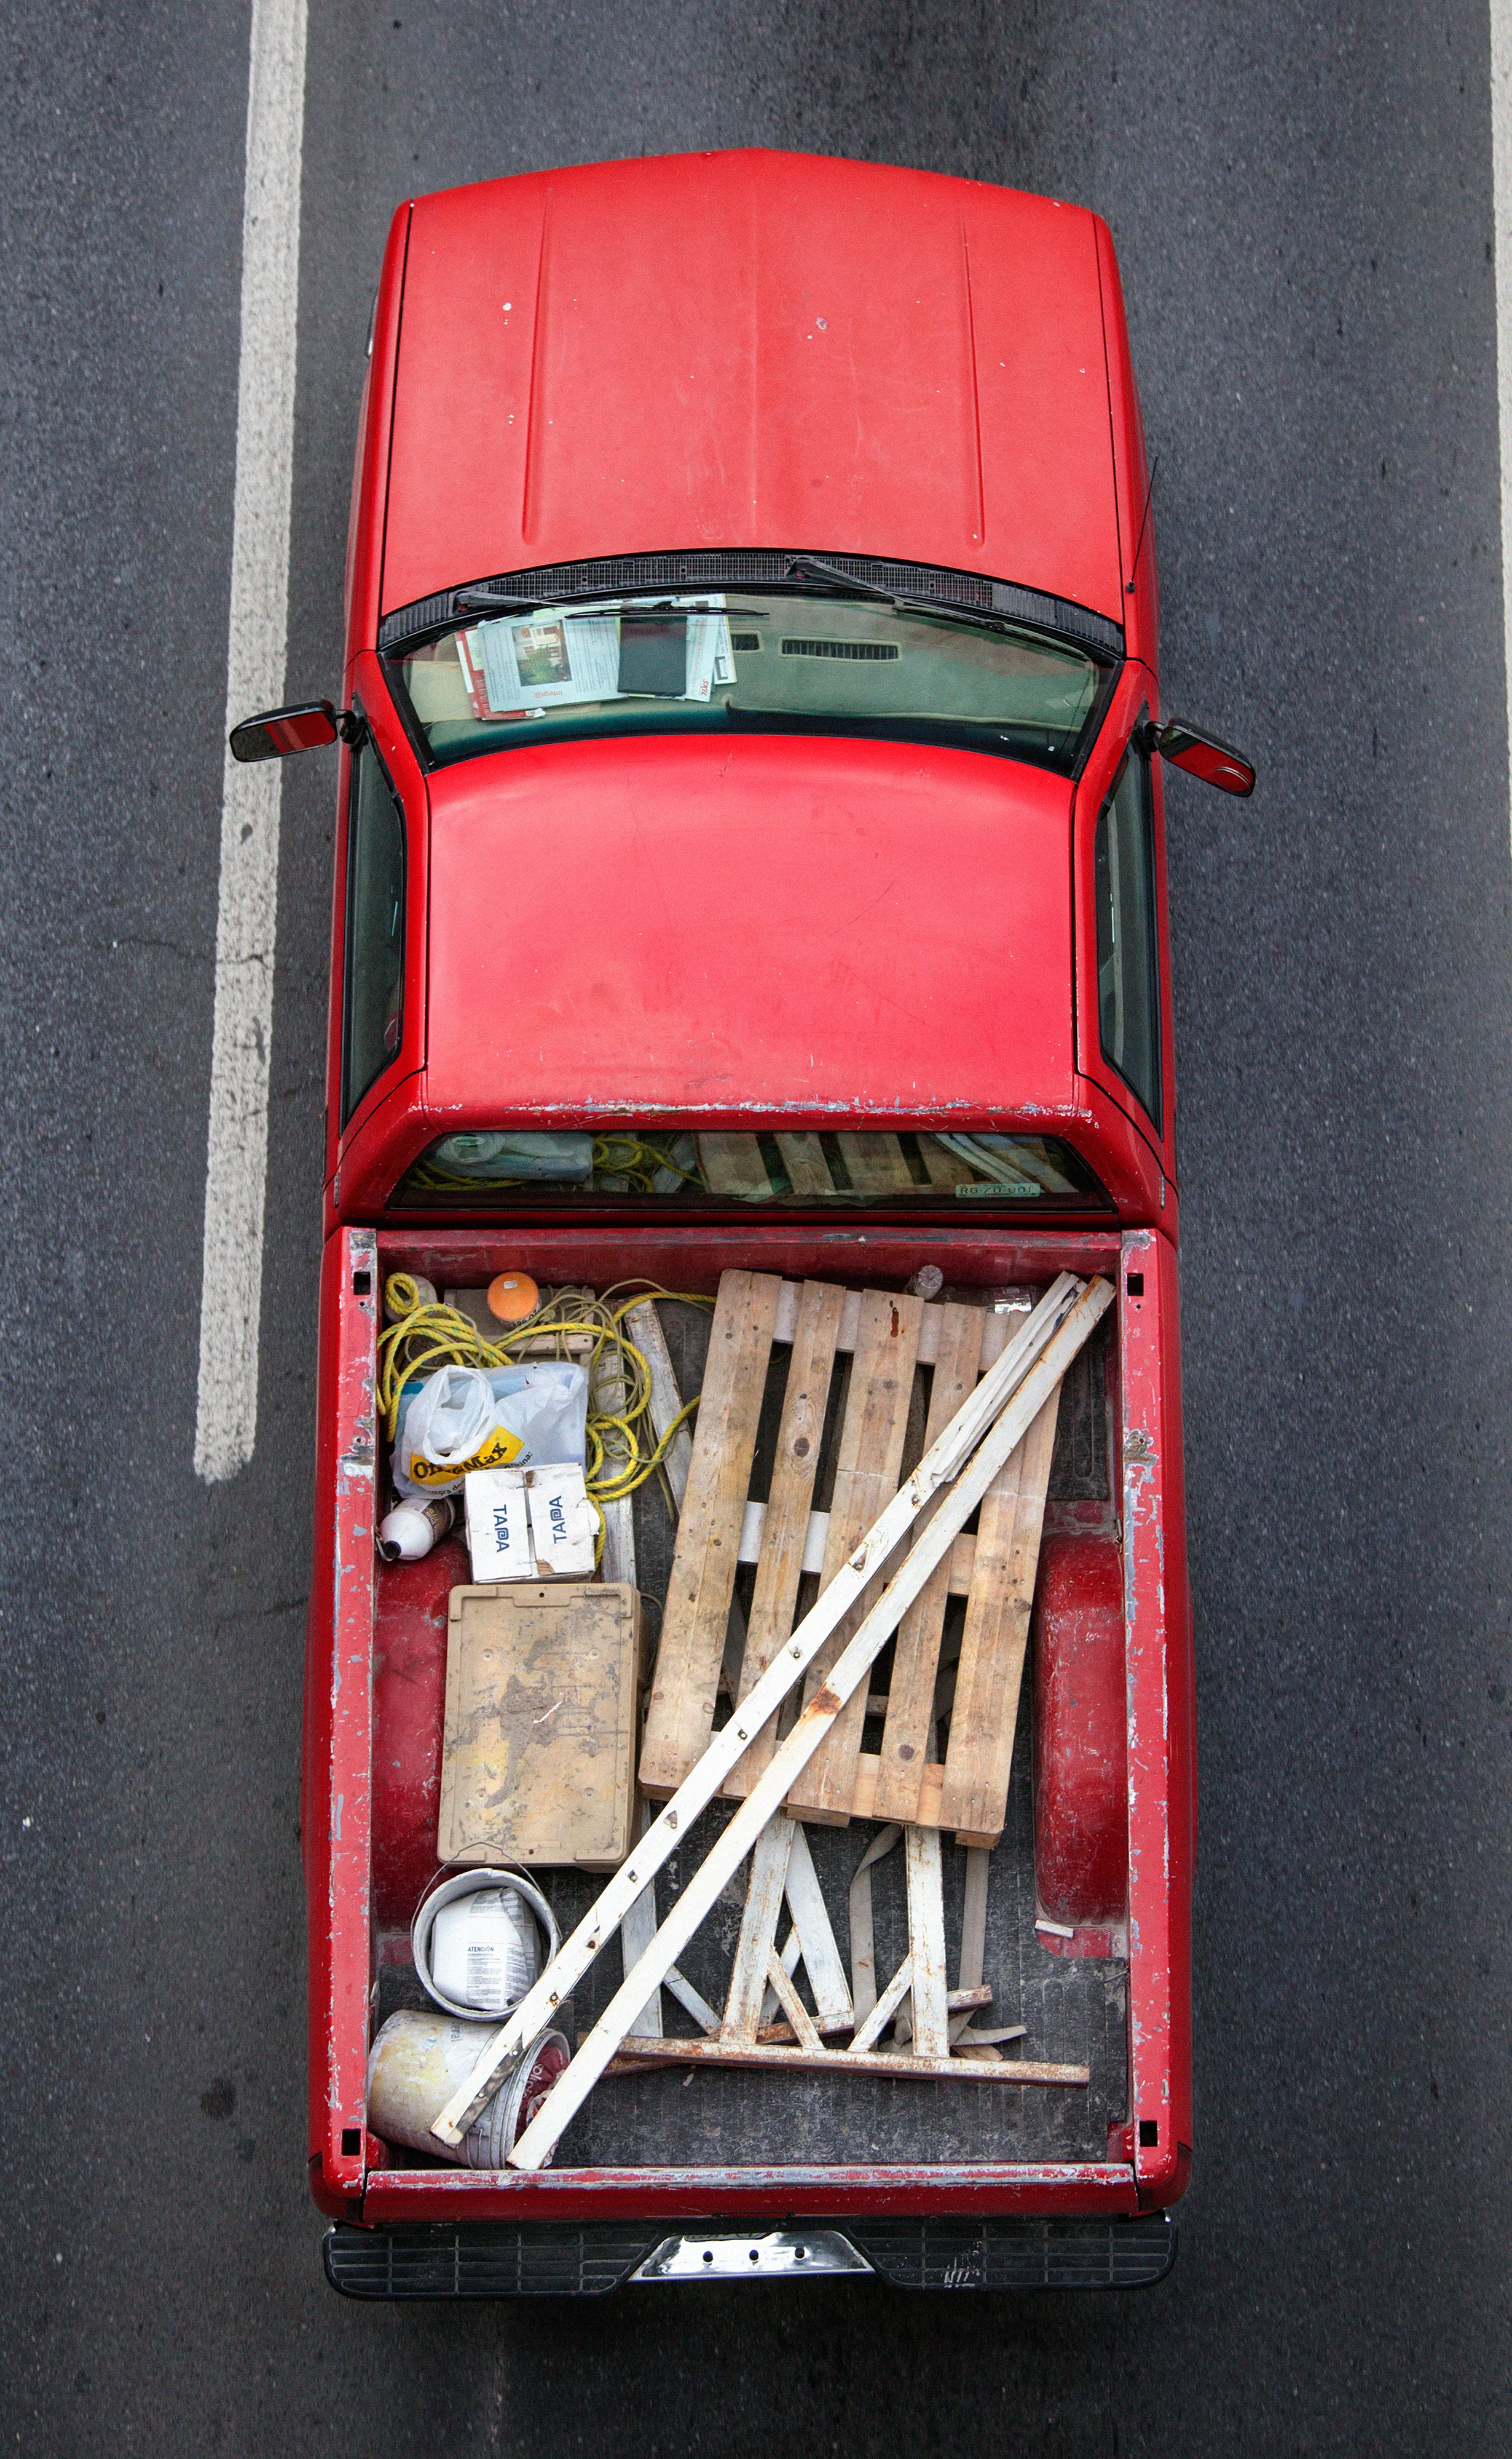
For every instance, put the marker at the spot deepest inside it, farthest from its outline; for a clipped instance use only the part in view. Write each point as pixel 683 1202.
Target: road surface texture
pixel 1302 202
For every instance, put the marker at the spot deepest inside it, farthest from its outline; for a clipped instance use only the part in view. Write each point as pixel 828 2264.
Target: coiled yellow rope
pixel 423 1336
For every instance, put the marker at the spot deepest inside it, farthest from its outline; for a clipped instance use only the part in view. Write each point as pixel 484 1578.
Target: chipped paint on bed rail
pixel 1153 2092
pixel 350 1866
pixel 985 2188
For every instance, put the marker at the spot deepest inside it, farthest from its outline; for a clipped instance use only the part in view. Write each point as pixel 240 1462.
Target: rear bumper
pixel 548 2258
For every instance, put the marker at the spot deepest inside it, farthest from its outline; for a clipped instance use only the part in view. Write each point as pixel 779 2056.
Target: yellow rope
pixel 423 1336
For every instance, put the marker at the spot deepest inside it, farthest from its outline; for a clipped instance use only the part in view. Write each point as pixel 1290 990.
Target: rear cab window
pixel 513 1168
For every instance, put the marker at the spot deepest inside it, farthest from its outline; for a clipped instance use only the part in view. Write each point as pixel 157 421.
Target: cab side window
pixel 374 1016
pixel 1128 965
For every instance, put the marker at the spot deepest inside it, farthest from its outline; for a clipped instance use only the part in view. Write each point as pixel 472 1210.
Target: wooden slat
pixel 680 1716
pixel 785 1529
pixel 618 1560
pixel 874 1164
pixel 876 2022
pixel 997 1329
pixel 863 1940
pixel 926 1921
pixel 816 1939
pixel 869 1768
pixel 750 1972
pixel 636 1931
pixel 915 1657
pixel 979 1756
pixel 791 1951
pixel 791 2004
pixel 943 1167
pixel 683 1991
pixel 474 1307
pixel 732 1165
pixel 866 1479
pixel 963 2004
pixel 804 1159
pixel 1027 1162
pixel 974 1918
pixel 643 1325
pixel 883 2062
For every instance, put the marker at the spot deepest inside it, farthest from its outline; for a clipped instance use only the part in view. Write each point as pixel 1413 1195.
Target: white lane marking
pixel 1501 203
pixel 236 1173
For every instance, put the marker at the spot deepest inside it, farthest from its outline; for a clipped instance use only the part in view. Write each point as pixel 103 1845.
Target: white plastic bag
pixel 471 1416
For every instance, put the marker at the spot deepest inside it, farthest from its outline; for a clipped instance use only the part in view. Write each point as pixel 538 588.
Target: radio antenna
pixel 1149 494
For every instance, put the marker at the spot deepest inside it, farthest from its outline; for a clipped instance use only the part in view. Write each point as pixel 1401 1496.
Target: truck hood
pixel 758 925
pixel 751 349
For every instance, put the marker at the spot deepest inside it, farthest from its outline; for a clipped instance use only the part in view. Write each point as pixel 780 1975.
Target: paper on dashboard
pixel 546 660
pixel 519 664
pixel 710 660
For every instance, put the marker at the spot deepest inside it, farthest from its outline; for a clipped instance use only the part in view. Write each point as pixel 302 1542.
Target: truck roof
pixel 752 349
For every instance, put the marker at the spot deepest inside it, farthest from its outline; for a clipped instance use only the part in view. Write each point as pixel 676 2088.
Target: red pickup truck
pixel 751 858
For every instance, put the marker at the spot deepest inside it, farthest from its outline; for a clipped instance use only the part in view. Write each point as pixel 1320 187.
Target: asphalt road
pixel 1302 203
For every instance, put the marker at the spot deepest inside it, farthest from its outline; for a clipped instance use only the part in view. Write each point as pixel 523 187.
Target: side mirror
pixel 1202 755
pixel 304 726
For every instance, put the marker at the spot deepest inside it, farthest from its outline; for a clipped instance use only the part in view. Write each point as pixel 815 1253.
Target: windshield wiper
pixel 501 598
pixel 816 566
pixel 799 565
pixel 653 610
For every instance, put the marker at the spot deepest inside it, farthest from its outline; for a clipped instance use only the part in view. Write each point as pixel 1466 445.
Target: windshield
pixel 769 660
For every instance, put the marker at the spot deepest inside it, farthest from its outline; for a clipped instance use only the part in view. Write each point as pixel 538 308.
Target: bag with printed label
pixel 464 1417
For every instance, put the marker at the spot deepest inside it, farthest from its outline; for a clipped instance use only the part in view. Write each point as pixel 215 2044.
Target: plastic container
pixel 502 1976
pixel 414 1527
pixel 416 2064
pixel 419 1291
pixel 511 1297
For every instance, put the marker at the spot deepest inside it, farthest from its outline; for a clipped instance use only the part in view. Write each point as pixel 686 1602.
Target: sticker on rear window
pixel 1003 1187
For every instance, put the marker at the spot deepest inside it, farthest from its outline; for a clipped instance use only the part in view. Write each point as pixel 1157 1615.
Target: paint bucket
pixel 416 2064
pixel 503 1955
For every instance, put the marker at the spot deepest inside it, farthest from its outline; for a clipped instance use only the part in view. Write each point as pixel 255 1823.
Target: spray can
pixel 412 1528
pixel 416 2064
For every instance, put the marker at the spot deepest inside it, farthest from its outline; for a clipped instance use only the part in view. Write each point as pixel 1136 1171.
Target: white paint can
pixel 484 1951
pixel 417 2062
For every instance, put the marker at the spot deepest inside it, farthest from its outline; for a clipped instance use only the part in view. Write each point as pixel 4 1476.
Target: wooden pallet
pixel 872 1164
pixel 886 1339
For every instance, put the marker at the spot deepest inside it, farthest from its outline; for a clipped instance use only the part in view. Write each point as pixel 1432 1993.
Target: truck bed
pixel 679 2120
